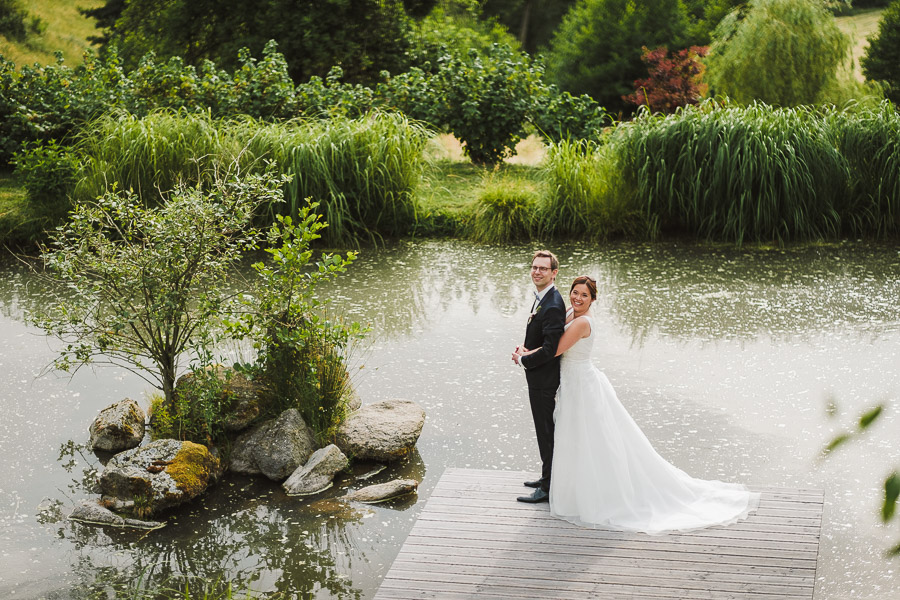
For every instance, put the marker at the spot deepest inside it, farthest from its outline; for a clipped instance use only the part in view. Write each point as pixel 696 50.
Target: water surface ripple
pixel 727 358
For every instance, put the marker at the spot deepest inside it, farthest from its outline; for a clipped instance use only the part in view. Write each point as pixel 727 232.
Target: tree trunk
pixel 523 29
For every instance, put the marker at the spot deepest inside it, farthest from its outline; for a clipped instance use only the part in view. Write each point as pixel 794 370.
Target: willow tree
pixel 782 52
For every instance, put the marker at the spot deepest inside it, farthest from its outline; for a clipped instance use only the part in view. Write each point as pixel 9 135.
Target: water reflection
pixel 725 357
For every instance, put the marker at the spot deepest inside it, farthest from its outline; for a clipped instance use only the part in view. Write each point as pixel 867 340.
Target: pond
pixel 727 358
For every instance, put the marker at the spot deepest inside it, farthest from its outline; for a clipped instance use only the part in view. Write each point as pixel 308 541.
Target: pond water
pixel 727 358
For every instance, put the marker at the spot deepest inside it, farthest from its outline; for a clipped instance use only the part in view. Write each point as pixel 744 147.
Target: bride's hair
pixel 589 282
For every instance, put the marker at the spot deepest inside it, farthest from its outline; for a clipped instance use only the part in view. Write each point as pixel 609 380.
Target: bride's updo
pixel 589 282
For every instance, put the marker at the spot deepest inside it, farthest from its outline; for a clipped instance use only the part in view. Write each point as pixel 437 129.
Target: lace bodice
pixel 581 351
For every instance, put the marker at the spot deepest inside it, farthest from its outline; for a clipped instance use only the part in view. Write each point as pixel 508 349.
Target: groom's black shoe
pixel 539 495
pixel 533 484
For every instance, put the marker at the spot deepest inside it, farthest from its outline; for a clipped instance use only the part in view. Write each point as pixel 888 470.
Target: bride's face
pixel 580 297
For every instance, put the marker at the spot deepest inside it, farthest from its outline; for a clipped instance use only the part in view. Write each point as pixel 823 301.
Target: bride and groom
pixel 605 473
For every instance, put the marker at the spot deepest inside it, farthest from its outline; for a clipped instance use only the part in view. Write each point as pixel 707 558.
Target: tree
pixel 881 62
pixel 147 286
pixel 363 37
pixel 597 48
pixel 674 81
pixel 531 21
pixel 782 52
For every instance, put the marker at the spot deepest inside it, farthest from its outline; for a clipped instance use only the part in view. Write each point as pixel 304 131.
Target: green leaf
pixel 837 441
pixel 895 551
pixel 869 417
pixel 891 493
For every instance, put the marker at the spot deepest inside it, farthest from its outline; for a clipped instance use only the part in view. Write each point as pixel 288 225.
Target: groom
pixel 545 326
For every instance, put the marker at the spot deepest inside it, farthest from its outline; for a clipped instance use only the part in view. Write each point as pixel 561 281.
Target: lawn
pixel 65 30
pixel 859 26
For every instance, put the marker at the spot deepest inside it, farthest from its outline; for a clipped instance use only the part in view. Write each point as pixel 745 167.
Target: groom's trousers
pixel 543 401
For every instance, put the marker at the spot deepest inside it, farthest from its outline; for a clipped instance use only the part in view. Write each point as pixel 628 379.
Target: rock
pixel 317 473
pixel 243 398
pixel 160 475
pixel 275 448
pixel 354 402
pixel 382 431
pixel 118 427
pixel 92 513
pixel 383 491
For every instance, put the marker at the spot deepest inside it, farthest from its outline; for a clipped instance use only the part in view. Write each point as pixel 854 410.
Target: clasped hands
pixel 518 353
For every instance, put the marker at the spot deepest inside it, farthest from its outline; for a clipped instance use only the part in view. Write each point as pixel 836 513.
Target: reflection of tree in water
pixel 398 289
pixel 245 532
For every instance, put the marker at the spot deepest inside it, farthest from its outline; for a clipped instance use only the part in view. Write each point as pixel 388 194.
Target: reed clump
pixel 362 172
pixel 765 174
pixel 505 210
pixel 585 197
pixel 735 173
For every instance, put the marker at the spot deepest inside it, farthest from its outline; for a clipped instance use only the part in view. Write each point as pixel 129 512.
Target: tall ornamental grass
pixel 584 197
pixel 150 155
pixel 362 172
pixel 736 173
pixel 869 142
pixel 504 211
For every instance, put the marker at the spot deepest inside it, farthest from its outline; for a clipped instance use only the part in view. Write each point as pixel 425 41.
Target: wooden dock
pixel 473 540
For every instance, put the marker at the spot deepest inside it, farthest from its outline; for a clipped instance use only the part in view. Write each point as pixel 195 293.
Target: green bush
pixel 301 352
pixel 49 173
pixel 560 116
pixel 504 211
pixel 485 100
pixel 13 20
pixel 38 104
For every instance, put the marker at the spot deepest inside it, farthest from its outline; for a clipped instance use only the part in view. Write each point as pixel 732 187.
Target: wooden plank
pixel 473 540
pixel 615 562
pixel 546 579
pixel 541 531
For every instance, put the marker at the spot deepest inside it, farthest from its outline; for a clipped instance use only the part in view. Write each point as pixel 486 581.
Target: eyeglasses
pixel 540 269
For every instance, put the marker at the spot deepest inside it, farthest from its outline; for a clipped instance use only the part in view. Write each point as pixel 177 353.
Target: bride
pixel 605 471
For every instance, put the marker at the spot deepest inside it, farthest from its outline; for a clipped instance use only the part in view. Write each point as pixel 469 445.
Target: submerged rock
pixel 383 431
pixel 118 427
pixel 160 475
pixel 94 514
pixel 383 491
pixel 318 472
pixel 275 448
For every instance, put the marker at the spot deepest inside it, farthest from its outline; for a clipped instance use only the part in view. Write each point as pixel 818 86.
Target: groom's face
pixel 541 272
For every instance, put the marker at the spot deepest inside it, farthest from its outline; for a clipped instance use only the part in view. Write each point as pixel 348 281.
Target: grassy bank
pixel 64 30
pixel 730 173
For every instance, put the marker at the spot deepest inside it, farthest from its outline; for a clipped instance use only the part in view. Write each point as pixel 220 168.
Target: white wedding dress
pixel 607 475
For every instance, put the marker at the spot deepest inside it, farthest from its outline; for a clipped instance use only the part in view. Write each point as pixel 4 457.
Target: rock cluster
pixel 146 480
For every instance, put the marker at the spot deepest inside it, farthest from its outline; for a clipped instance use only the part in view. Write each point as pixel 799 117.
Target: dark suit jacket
pixel 544 330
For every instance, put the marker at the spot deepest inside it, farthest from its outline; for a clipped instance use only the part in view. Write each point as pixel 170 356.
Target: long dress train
pixel 606 473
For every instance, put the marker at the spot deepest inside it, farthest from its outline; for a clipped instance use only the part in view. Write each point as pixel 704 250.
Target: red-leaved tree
pixel 674 80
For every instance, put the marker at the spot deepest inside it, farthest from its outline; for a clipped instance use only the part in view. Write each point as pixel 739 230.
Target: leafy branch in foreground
pixel 891 482
pixel 146 286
